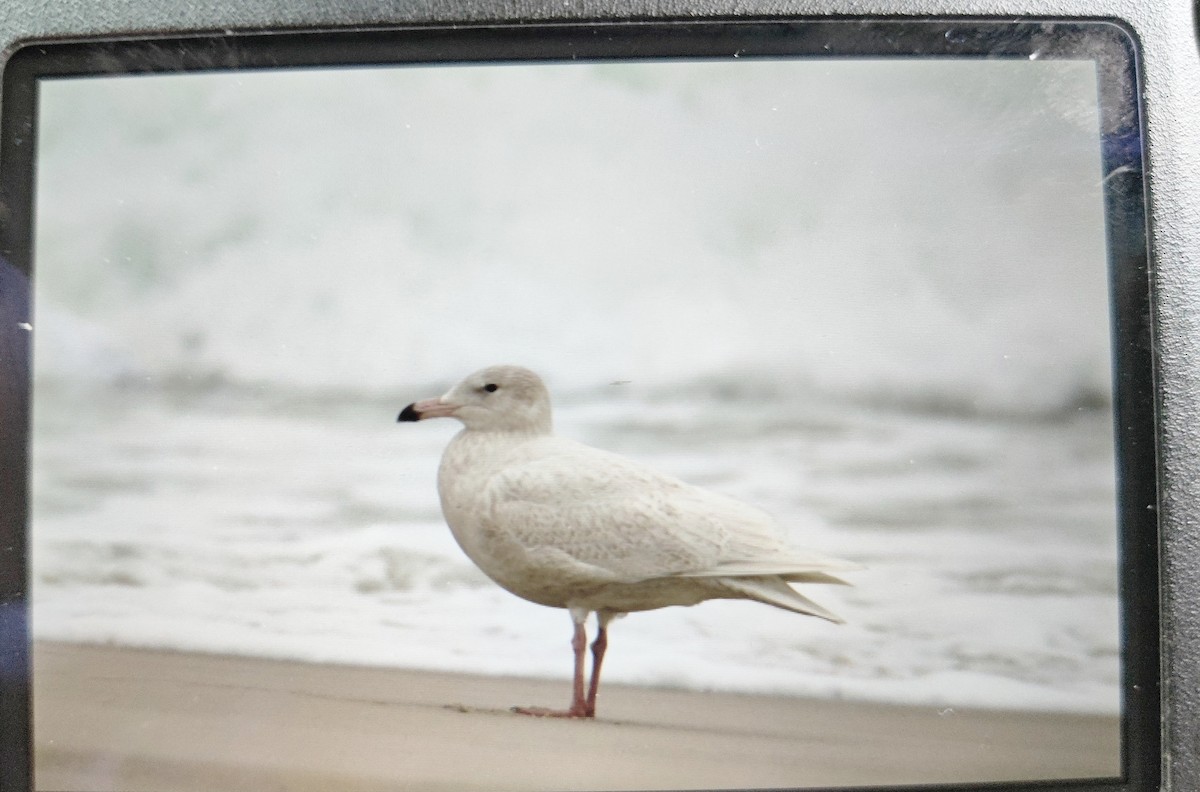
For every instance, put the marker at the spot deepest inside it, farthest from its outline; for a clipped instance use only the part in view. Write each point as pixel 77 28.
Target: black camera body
pixel 1168 81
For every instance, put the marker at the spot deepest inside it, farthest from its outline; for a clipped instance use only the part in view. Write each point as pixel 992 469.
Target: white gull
pixel 566 525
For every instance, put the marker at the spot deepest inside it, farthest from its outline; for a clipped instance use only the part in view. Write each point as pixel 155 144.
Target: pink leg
pixel 579 646
pixel 579 705
pixel 598 647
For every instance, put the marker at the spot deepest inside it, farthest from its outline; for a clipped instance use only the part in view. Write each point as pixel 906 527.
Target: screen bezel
pixel 1107 44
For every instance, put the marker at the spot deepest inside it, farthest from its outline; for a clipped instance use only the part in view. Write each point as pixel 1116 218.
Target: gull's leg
pixel 579 647
pixel 579 705
pixel 598 647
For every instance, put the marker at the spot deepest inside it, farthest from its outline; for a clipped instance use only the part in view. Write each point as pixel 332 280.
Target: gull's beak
pixel 430 408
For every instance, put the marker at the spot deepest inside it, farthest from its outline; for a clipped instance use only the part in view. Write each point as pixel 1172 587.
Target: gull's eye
pixel 491 387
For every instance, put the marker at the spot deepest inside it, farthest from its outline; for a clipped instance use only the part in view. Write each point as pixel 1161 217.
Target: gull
pixel 566 525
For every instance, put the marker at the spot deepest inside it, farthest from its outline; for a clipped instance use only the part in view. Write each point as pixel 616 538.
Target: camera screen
pixel 867 296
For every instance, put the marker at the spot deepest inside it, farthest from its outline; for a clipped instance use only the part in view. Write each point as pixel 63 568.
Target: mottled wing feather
pixel 808 568
pixel 631 538
pixel 616 516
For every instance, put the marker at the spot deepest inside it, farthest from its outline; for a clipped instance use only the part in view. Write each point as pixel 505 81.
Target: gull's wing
pixel 625 521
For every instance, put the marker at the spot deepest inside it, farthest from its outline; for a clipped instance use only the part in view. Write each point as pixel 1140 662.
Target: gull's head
pixel 496 399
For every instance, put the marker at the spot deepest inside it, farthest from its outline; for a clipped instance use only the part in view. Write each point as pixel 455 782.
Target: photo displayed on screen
pixel 868 297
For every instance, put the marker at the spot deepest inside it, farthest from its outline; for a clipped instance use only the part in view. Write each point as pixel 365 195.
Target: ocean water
pixel 869 298
pixel 244 523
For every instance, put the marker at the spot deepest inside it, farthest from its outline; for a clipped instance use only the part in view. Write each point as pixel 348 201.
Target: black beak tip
pixel 409 414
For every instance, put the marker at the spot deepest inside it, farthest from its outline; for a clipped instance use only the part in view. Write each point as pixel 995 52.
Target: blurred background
pixel 869 297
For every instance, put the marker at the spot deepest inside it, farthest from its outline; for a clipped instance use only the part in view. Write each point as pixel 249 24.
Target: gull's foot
pixel 546 712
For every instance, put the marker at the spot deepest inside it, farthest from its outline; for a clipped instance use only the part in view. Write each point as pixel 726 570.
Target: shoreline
pixel 109 717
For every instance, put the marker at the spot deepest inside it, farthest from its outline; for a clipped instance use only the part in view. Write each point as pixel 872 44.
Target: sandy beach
pixel 116 718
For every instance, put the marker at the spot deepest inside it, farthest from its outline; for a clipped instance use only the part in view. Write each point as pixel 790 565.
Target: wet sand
pixel 108 718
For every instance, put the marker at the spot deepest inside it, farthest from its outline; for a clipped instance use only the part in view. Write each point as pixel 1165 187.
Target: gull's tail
pixel 773 590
